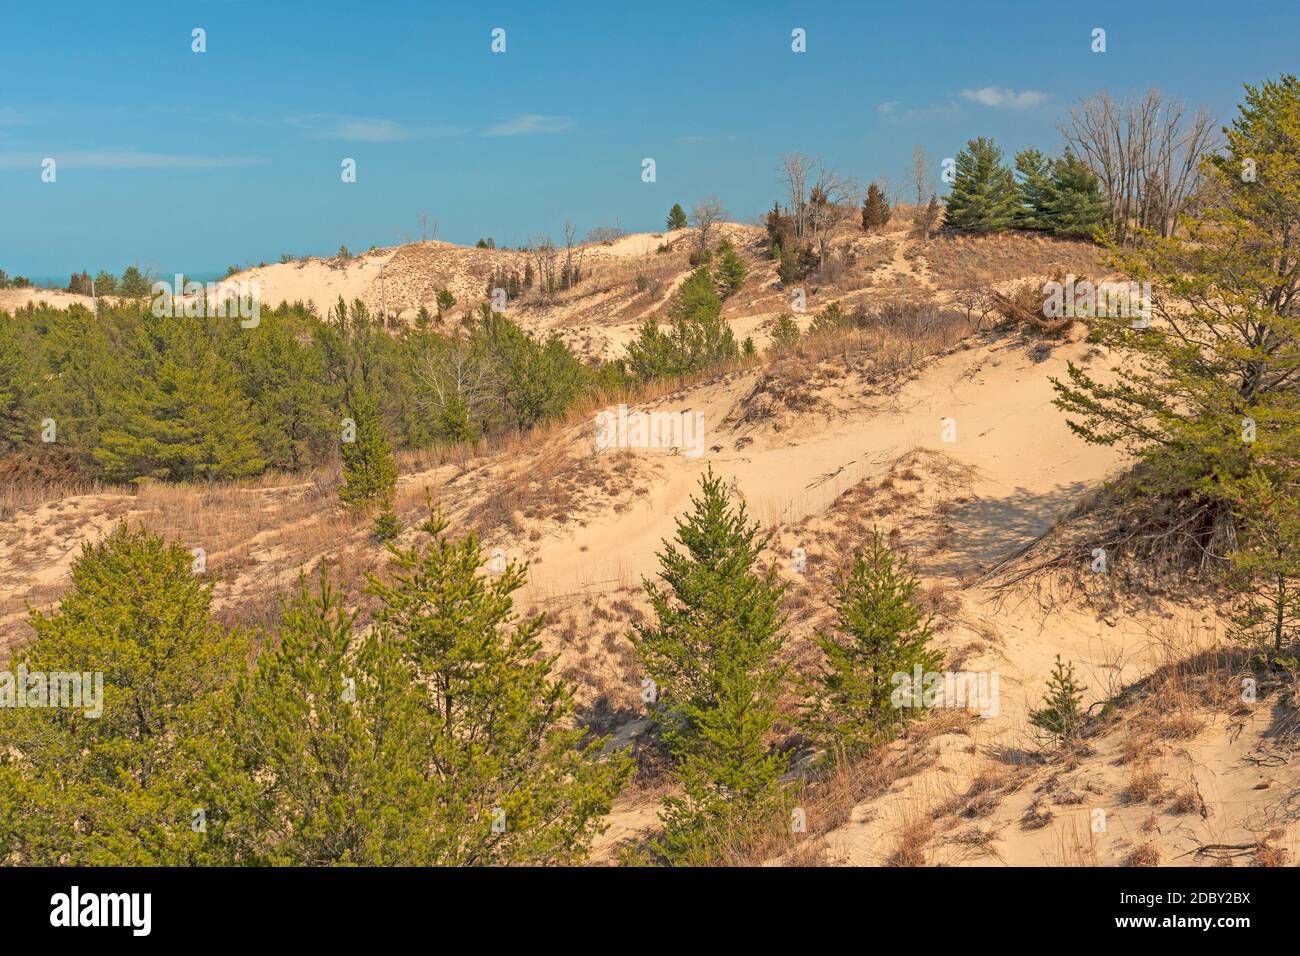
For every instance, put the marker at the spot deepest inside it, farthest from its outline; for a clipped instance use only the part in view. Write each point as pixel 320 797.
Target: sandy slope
pixel 13 299
pixel 1031 467
pixel 598 317
pixel 404 278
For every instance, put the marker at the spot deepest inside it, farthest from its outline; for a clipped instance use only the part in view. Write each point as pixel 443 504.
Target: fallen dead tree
pixel 1121 536
pixel 1025 305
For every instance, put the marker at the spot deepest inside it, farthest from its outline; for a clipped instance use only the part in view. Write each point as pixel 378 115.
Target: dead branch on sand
pixel 1025 305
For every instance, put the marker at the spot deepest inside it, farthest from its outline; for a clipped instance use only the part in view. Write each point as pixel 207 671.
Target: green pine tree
pixel 386 526
pixel 444 301
pixel 326 749
pixel 1076 205
pixel 537 380
pixel 829 320
pixel 178 416
pixel 983 197
pixel 118 788
pixel 785 333
pixel 653 353
pixel 134 284
pixel 1062 712
pixel 793 262
pixel 503 746
pixel 703 338
pixel 1223 342
pixel 713 650
pixel 699 338
pixel 284 376
pixel 369 470
pixel 697 300
pixel 17 422
pixel 730 781
pixel 1265 569
pixel 731 269
pixel 1035 187
pixel 879 633
pixel 676 217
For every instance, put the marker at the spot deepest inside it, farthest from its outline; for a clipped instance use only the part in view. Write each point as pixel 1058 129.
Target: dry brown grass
pixel 616 282
pixel 829 798
pixel 1144 784
pixel 1148 854
pixel 1167 546
pixel 1175 702
pixel 812 377
pixel 975 843
pixel 1076 844
pixel 913 840
pixel 895 336
pixel 954 260
pixel 812 852
pixel 1138 748
pixel 985 791
pixel 851 267
pixel 1184 801
pixel 17 497
pixel 1037 816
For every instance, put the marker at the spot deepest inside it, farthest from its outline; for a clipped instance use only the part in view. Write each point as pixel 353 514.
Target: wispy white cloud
pixel 123 158
pixel 895 112
pixel 695 139
pixel 376 129
pixel 1001 98
pixel 364 129
pixel 528 123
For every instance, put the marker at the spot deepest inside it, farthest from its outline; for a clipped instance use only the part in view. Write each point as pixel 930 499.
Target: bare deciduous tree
pixel 973 296
pixel 603 234
pixel 461 386
pixel 1146 152
pixel 572 271
pixel 708 212
pixel 819 199
pixel 543 253
pixel 922 177
pixel 833 199
pixel 796 169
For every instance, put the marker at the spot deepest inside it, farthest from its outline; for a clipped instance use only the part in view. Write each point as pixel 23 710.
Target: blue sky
pixel 185 161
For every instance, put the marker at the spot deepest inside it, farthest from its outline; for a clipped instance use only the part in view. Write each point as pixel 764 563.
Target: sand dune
pixel 870 449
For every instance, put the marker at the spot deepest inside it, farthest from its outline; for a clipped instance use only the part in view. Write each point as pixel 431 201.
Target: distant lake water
pixel 61 281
